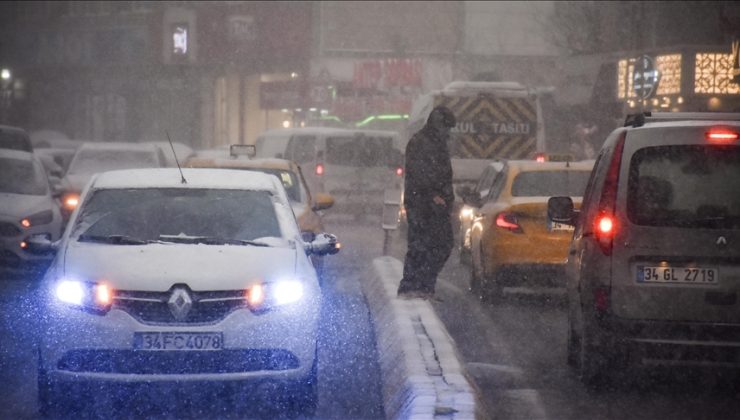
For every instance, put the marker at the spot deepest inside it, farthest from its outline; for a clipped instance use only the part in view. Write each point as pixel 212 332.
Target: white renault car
pixel 195 278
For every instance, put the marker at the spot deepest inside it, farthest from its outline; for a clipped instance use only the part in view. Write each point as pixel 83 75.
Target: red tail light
pixel 540 157
pixel 399 171
pixel 605 225
pixel 721 135
pixel 508 221
pixel 319 169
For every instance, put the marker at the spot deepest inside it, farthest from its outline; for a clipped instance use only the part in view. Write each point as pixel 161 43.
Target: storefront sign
pixel 735 56
pixel 645 78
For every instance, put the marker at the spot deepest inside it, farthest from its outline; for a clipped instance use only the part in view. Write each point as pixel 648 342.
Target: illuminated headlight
pixel 466 213
pixel 41 218
pixel 265 295
pixel 94 296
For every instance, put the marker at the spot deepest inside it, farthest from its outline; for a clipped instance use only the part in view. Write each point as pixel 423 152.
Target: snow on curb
pixel 422 377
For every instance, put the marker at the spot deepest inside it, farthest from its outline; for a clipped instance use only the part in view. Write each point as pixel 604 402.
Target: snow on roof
pixel 196 178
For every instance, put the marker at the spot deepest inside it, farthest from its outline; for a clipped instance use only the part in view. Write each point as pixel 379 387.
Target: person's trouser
pixel 430 243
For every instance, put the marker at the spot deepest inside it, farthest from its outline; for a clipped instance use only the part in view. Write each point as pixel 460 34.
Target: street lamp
pixel 5 74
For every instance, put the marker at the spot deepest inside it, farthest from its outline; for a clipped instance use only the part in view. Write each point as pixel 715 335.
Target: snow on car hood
pixel 20 205
pixel 156 267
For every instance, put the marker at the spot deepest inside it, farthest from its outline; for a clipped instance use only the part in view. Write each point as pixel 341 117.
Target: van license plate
pixel 196 341
pixel 679 275
pixel 559 227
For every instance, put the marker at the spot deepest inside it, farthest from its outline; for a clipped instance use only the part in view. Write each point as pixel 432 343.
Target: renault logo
pixel 180 303
pixel 721 241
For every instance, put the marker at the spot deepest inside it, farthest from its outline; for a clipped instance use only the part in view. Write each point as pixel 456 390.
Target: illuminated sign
pixel 735 62
pixel 180 39
pixel 645 77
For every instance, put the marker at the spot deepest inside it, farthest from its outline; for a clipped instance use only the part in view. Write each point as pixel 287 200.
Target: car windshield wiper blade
pixel 115 239
pixel 210 240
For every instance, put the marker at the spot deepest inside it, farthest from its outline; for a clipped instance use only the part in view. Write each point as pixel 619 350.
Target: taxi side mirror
pixel 324 244
pixel 561 210
pixel 322 201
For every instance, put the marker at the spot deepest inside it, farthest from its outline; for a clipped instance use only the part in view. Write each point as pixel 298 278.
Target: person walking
pixel 428 199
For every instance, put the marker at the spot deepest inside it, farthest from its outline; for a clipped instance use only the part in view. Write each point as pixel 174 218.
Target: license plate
pixel 678 275
pixel 555 226
pixel 160 341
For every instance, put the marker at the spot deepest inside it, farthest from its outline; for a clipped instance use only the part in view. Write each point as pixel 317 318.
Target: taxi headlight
pixel 466 213
pixel 263 296
pixel 92 296
pixel 287 291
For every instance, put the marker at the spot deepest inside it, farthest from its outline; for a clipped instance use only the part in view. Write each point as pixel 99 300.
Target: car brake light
pixel 605 222
pixel 399 171
pixel 508 221
pixel 721 135
pixel 319 169
pixel 540 157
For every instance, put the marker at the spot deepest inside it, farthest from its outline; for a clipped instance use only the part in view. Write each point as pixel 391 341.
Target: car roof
pixel 266 163
pixel 16 154
pixel 531 165
pixel 118 145
pixel 18 130
pixel 195 177
pixel 686 123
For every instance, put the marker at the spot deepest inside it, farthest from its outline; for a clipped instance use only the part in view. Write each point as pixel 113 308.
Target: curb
pixel 422 377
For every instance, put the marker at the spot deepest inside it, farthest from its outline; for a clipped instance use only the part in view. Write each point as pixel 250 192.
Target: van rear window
pixel 359 151
pixel 692 186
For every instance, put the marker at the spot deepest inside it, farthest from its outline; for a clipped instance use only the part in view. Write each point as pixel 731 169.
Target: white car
pixel 160 280
pixel 94 157
pixel 26 208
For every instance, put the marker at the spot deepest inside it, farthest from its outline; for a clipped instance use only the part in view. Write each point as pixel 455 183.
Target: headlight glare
pixel 96 297
pixel 40 218
pixel 287 291
pixel 70 291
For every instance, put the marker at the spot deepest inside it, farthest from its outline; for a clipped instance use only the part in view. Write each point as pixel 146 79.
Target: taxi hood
pixel 157 267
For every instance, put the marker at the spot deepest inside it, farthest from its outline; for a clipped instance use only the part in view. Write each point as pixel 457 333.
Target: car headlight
pixel 466 213
pixel 86 295
pixel 40 218
pixel 263 296
pixel 70 201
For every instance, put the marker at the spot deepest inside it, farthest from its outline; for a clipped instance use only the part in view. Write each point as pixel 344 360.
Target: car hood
pixel 20 205
pixel 157 267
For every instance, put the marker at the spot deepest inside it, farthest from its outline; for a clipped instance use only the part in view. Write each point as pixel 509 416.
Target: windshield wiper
pixel 114 239
pixel 210 240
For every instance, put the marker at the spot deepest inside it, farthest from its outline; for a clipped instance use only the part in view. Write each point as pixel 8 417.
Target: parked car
pixel 94 157
pixel 652 272
pixel 15 138
pixel 511 241
pixel 306 206
pixel 354 166
pixel 27 208
pixel 160 280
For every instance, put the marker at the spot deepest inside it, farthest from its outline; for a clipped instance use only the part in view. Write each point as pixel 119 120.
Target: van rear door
pixel 676 246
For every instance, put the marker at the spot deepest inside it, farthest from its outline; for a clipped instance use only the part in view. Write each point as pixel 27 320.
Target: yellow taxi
pixel 512 240
pixel 305 205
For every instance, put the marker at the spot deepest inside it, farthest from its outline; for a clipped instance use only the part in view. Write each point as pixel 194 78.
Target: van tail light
pixel 319 169
pixel 509 222
pixel 399 171
pixel 721 135
pixel 605 225
pixel 540 157
pixel 601 299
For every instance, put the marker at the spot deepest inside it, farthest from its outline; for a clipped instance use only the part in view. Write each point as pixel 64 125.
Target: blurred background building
pixel 213 73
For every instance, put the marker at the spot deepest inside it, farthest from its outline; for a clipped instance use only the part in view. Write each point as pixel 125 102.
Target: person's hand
pixel 439 201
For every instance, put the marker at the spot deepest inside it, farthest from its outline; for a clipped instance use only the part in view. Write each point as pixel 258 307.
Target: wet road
pixel 349 377
pixel 515 351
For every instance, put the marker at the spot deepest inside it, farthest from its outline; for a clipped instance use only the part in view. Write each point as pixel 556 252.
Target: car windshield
pixel 550 183
pixel 359 151
pixel 22 177
pixel 14 140
pixel 88 161
pixel 685 186
pixel 150 214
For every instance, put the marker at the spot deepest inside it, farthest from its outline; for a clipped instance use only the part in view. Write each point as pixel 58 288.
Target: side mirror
pixel 40 244
pixel 560 210
pixel 324 244
pixel 308 236
pixel 322 201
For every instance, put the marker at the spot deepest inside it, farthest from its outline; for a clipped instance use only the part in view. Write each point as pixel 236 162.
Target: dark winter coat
pixel 428 170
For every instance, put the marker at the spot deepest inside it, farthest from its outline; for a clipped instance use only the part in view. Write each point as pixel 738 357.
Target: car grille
pixel 153 308
pixel 9 229
pixel 177 362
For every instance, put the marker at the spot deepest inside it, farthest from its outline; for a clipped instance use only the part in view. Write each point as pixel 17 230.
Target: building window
pixel 713 73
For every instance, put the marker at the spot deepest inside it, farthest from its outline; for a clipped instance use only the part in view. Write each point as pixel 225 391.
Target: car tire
pixel 592 361
pixel 482 284
pixel 573 345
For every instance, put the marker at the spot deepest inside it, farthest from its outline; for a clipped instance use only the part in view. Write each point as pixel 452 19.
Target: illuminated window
pixel 669 67
pixel 713 73
pixel 622 79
